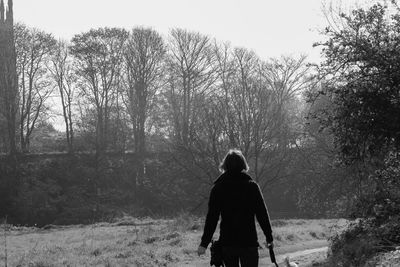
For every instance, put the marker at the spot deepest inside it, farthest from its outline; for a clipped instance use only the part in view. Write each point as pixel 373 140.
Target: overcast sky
pixel 270 27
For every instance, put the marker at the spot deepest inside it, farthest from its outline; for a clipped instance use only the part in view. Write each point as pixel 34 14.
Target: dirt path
pixel 303 257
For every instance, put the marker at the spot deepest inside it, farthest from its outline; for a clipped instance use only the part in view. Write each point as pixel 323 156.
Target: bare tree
pixel 248 106
pixel 286 79
pixel 287 76
pixel 225 69
pixel 214 132
pixel 62 73
pixel 246 110
pixel 190 75
pixel 255 119
pixel 144 58
pixel 99 55
pixel 34 48
pixel 144 55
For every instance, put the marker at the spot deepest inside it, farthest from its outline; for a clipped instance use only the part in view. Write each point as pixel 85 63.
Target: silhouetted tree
pixel 144 57
pixel 191 74
pixel 98 56
pixel 8 79
pixel 34 48
pixel 62 73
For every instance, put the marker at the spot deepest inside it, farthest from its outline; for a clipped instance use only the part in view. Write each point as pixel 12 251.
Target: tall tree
pixel 190 75
pixel 34 48
pixel 362 80
pixel 288 76
pixel 225 69
pixel 144 58
pixel 99 56
pixel 8 75
pixel 360 90
pixel 259 117
pixel 62 73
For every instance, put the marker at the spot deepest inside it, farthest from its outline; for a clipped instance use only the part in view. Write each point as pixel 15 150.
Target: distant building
pixel 8 79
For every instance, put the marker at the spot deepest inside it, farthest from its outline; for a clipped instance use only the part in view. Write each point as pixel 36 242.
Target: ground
pixel 149 242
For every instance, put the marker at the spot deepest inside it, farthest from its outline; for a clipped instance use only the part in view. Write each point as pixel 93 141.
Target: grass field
pixel 141 242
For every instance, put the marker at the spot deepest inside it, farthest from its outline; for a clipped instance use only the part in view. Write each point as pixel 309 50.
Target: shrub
pixel 378 230
pixel 363 240
pixel 354 246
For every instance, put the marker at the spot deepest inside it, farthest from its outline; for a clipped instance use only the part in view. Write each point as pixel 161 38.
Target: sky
pixel 269 27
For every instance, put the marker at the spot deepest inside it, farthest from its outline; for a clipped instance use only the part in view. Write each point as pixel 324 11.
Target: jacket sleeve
pixel 262 215
pixel 212 218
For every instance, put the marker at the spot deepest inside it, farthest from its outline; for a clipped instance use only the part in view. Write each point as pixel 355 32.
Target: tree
pixel 62 73
pixel 361 80
pixel 144 58
pixel 360 90
pixel 144 55
pixel 259 117
pixel 361 62
pixel 249 106
pixel 225 69
pixel 190 75
pixel 33 48
pixel 8 79
pixel 288 76
pixel 99 55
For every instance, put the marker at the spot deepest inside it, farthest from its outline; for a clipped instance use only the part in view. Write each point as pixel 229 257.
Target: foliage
pixel 361 78
pixel 71 189
pixel 7 187
pixel 383 199
pixel 378 229
pixel 354 246
pixel 68 189
pixel 362 240
pixel 361 86
pixel 361 62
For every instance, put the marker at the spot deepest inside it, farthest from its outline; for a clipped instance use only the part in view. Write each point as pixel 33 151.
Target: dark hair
pixel 234 161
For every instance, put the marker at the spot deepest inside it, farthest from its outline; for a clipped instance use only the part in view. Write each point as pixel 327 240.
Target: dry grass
pixel 288 232
pixel 133 242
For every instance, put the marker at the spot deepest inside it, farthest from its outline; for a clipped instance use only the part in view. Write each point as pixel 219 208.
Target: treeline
pixel 186 94
pixel 134 90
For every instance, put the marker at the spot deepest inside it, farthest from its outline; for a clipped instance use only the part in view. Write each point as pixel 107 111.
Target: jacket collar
pixel 233 176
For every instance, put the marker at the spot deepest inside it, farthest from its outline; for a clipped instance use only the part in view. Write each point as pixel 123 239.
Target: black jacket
pixel 238 199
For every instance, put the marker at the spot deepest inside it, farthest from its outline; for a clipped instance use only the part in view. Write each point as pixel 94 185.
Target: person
pixel 237 199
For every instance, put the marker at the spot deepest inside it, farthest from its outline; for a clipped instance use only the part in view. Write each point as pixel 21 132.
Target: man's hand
pixel 201 250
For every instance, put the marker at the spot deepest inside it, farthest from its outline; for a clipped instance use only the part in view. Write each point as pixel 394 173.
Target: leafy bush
pixel 354 246
pixel 379 229
pixel 74 189
pixel 362 240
